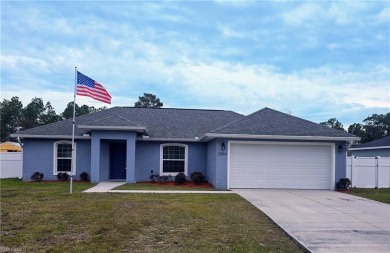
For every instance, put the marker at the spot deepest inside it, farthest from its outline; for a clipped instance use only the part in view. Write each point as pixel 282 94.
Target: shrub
pixel 37 176
pixel 343 184
pixel 180 178
pixel 164 179
pixel 84 176
pixel 160 179
pixel 62 176
pixel 198 178
pixel 154 178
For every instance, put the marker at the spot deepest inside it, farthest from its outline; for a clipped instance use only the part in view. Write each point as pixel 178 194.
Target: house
pixel 380 147
pixel 266 149
pixel 9 146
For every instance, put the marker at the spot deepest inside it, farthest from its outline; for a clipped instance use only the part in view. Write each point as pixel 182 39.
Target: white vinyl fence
pixel 11 164
pixel 369 172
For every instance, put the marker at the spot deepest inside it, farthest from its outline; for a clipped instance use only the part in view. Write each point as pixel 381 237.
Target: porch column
pixel 130 158
pixel 95 159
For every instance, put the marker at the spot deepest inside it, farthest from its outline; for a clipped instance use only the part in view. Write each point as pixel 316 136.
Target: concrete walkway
pixel 108 186
pixel 326 221
pixel 104 186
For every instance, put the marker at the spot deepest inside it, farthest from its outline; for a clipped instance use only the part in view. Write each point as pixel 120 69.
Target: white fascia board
pixel 368 148
pixel 209 136
pixel 50 136
pixel 169 139
pixel 135 128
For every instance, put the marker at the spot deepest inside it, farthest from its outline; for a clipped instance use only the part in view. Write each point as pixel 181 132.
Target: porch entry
pixel 118 160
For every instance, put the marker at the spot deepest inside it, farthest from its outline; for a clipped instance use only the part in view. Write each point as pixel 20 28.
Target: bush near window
pixel 160 179
pixel 62 176
pixel 180 178
pixel 37 176
pixel 84 176
pixel 154 178
pixel 198 178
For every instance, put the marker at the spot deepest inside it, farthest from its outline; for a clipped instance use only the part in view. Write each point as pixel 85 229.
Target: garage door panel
pixel 280 166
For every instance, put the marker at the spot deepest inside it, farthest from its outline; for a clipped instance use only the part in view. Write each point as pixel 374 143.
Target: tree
pixel 386 124
pixel 49 115
pixel 10 117
pixel 84 109
pixel 333 123
pixel 377 126
pixel 356 129
pixel 31 113
pixel 148 100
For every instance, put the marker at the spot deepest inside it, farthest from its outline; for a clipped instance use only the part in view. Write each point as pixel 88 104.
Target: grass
pixel 44 217
pixel 381 195
pixel 166 187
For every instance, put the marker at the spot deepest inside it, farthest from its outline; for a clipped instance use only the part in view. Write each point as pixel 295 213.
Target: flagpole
pixel 73 125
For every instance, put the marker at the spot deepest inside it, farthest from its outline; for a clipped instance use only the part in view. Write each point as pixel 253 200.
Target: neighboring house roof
pixel 190 124
pixel 268 122
pixel 375 144
pixel 10 147
pixel 158 123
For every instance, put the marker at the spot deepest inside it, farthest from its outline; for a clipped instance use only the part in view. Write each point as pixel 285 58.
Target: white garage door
pixel 284 165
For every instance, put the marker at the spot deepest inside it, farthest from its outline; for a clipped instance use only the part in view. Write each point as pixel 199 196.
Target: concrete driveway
pixel 326 221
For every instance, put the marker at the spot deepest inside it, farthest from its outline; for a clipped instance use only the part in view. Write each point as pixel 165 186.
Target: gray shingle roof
pixel 270 122
pixel 113 120
pixel 159 123
pixel 383 142
pixel 168 123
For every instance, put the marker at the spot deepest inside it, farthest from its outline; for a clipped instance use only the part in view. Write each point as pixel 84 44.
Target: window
pixel 173 159
pixel 63 157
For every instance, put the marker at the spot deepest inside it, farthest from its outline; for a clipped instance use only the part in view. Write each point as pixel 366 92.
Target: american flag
pixel 86 86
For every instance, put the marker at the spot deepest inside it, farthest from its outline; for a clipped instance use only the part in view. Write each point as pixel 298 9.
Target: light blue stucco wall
pixel 384 152
pixel 100 155
pixel 142 158
pixel 38 156
pixel 211 173
pixel 104 162
pixel 340 161
pixel 217 163
pixel 217 160
pixel 148 158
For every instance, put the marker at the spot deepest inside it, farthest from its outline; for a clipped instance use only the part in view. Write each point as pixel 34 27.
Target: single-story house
pixel 266 149
pixel 9 146
pixel 380 147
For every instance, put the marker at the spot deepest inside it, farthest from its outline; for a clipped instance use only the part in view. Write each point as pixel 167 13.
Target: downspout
pixel 19 141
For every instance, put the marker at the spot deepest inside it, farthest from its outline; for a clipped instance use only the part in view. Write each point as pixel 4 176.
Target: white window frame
pixel 55 158
pixel 162 173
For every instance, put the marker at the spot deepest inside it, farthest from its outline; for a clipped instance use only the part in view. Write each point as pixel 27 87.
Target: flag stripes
pixel 88 87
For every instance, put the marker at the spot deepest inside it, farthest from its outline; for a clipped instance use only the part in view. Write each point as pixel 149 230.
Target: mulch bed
pixel 188 184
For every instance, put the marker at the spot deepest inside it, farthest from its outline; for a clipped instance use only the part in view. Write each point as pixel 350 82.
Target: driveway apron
pixel 326 221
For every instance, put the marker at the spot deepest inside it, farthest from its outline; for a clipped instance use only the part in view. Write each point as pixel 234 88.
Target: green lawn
pixel 381 195
pixel 44 217
pixel 166 187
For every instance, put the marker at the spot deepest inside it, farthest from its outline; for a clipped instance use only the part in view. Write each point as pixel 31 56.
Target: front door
pixel 118 161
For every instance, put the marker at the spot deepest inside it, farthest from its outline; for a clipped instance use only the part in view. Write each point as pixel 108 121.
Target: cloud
pixel 316 59
pixel 384 15
pixel 18 61
pixel 303 13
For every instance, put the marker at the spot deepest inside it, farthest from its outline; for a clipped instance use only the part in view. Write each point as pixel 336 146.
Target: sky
pixel 313 59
